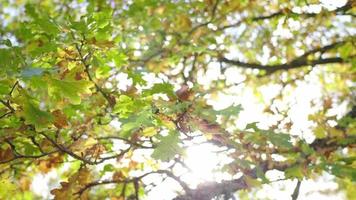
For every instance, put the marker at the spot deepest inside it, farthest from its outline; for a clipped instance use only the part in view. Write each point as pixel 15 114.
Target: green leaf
pixel 260 174
pixel 7 188
pixel 344 171
pixel 34 116
pixel 167 148
pixel 164 88
pixel 251 182
pixel 346 50
pixel 279 139
pixel 307 150
pixel 29 148
pixel 295 171
pixel 319 132
pixel 103 18
pixel 124 106
pixel 136 77
pixel 31 72
pixel 128 128
pixel 133 122
pixel 229 111
pixel 108 168
pixel 102 71
pixel 210 114
pixel 31 11
pixel 69 89
pixel 252 125
pixel 5 86
pixel 80 26
pixel 245 164
pixel 48 26
pixel 6 42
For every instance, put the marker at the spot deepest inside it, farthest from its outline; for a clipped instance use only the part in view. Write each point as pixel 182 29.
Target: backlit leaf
pixel 72 90
pixel 167 148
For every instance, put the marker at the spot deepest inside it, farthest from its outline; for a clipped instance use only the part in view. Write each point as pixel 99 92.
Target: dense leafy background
pixel 87 86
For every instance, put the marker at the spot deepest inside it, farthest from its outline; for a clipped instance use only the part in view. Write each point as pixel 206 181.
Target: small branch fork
pixel 83 59
pixel 7 102
pixel 134 180
pixel 78 157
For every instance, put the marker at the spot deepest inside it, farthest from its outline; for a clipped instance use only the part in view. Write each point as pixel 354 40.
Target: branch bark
pixel 297 62
pixel 287 12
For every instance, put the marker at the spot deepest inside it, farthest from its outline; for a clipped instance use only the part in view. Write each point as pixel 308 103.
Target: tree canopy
pixel 110 95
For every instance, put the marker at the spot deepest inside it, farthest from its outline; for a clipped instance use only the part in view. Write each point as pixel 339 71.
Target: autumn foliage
pixel 107 94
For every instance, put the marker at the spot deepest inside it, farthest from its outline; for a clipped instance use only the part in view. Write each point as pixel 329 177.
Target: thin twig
pixel 296 191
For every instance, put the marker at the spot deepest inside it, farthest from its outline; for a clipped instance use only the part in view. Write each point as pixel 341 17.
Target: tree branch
pixel 83 159
pixel 287 66
pixel 83 60
pixel 287 12
pixel 131 180
pixel 296 191
pixel 297 62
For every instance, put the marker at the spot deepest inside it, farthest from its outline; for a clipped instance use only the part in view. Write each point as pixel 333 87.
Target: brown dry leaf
pixel 198 33
pixel 207 127
pixel 102 43
pixel 24 183
pixel 288 125
pixel 131 91
pixel 60 119
pixel 268 110
pixel 184 93
pixel 183 123
pixel 133 164
pixel 117 198
pixel 81 145
pixel 6 154
pixel 79 76
pixel 46 145
pixel 69 190
pixel 45 165
pixel 84 176
pixel 62 193
pixel 209 2
pixel 95 151
pixel 62 63
pixel 118 176
pixel 327 104
pixel 71 52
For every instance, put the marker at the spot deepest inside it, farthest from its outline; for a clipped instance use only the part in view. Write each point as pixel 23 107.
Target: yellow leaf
pixel 251 182
pixel 335 132
pixel 149 131
pixel 81 145
pixel 319 132
pixel 183 23
pixel 167 122
pixel 160 10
